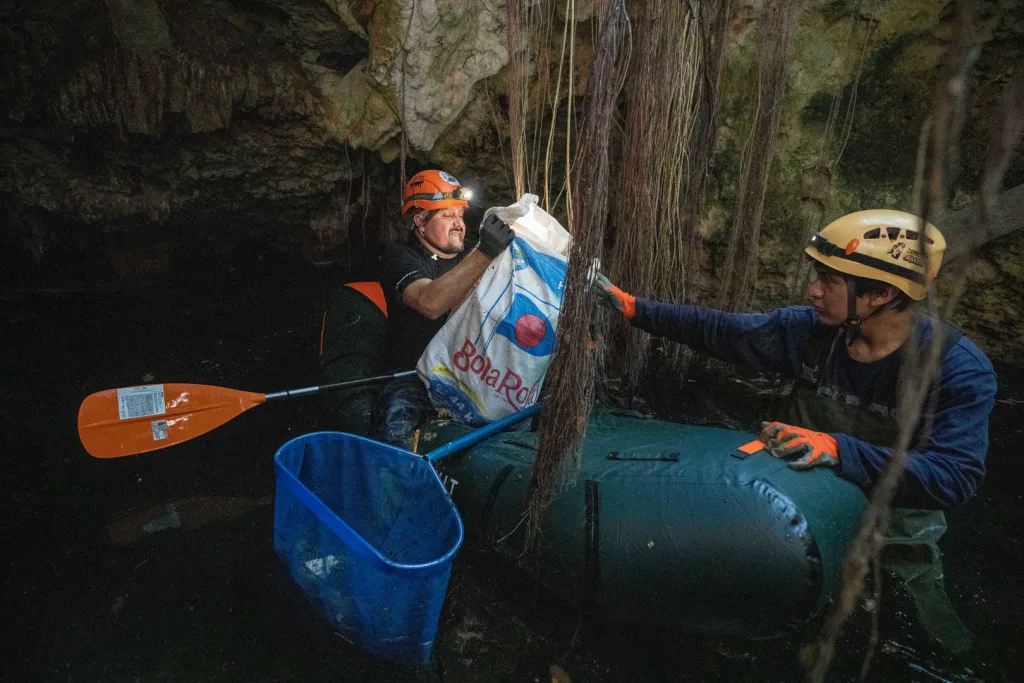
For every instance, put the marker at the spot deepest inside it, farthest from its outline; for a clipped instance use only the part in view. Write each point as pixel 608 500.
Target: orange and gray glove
pixel 613 297
pixel 815 448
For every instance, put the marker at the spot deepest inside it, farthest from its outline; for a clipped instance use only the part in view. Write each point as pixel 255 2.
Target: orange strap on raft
pixel 752 447
pixel 748 449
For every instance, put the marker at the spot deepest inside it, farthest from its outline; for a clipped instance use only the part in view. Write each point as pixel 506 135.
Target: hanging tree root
pixel 680 239
pixel 569 388
pixel 833 142
pixel 650 236
pixel 778 23
pixel 534 104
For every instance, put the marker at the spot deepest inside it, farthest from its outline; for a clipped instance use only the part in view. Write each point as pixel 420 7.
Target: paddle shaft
pixel 306 391
pixel 190 410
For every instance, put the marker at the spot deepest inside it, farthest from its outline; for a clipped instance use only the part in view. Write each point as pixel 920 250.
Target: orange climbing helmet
pixel 432 190
pixel 882 244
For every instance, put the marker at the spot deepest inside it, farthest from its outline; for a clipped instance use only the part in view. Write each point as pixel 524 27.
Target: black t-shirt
pixel 409 331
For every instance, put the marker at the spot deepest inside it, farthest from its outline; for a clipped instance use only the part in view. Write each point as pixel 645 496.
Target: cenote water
pixel 201 596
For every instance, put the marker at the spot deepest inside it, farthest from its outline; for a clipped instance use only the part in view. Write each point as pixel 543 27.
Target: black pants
pixel 401 406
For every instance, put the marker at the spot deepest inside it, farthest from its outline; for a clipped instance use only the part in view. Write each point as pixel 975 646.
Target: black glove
pixel 495 237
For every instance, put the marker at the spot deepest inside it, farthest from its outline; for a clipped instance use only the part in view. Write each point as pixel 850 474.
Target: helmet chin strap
pixel 853 321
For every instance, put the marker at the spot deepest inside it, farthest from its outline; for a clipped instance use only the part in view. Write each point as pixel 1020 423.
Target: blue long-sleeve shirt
pixel 943 472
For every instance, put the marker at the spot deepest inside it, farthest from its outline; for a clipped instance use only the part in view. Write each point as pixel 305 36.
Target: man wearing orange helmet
pixel 844 353
pixel 423 281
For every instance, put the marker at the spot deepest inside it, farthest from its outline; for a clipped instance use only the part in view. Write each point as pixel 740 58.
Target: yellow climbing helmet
pixel 882 244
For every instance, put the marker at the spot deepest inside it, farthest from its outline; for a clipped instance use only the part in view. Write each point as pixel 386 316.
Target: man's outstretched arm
pixel 761 341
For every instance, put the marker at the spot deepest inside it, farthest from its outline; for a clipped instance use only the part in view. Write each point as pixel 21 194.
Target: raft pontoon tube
pixel 668 524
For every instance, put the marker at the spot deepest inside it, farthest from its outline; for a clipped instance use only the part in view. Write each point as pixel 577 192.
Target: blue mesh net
pixel 368 533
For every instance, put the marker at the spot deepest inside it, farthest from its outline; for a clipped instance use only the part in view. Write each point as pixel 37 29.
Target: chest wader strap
pixel 820 346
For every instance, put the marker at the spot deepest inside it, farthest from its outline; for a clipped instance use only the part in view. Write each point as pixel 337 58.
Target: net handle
pixel 478 435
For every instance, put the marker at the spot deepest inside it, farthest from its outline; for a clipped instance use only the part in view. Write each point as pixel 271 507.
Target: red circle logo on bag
pixel 529 330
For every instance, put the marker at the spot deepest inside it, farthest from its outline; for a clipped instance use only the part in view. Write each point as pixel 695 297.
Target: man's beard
pixel 452 248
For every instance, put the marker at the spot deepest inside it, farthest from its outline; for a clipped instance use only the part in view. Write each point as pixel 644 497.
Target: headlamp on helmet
pixel 432 190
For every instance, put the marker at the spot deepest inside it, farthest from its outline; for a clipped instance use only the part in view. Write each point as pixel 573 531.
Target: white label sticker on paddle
pixel 140 401
pixel 159 429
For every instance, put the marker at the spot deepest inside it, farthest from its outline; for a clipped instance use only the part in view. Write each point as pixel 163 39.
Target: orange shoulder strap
pixel 372 291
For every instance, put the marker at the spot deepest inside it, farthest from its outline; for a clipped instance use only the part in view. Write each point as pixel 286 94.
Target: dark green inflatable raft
pixel 667 524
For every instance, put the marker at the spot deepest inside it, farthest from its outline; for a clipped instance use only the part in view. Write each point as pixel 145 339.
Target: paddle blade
pixel 118 422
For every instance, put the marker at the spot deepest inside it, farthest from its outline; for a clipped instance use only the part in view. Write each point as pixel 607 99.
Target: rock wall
pixel 157 116
pixel 142 124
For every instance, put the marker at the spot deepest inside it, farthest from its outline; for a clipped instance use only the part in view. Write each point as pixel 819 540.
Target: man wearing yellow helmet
pixel 423 281
pixel 844 353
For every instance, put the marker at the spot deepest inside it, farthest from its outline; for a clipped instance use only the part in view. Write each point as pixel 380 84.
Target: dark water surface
pixel 213 603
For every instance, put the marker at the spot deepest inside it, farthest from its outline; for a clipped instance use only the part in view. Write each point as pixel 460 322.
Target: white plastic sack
pixel 490 358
